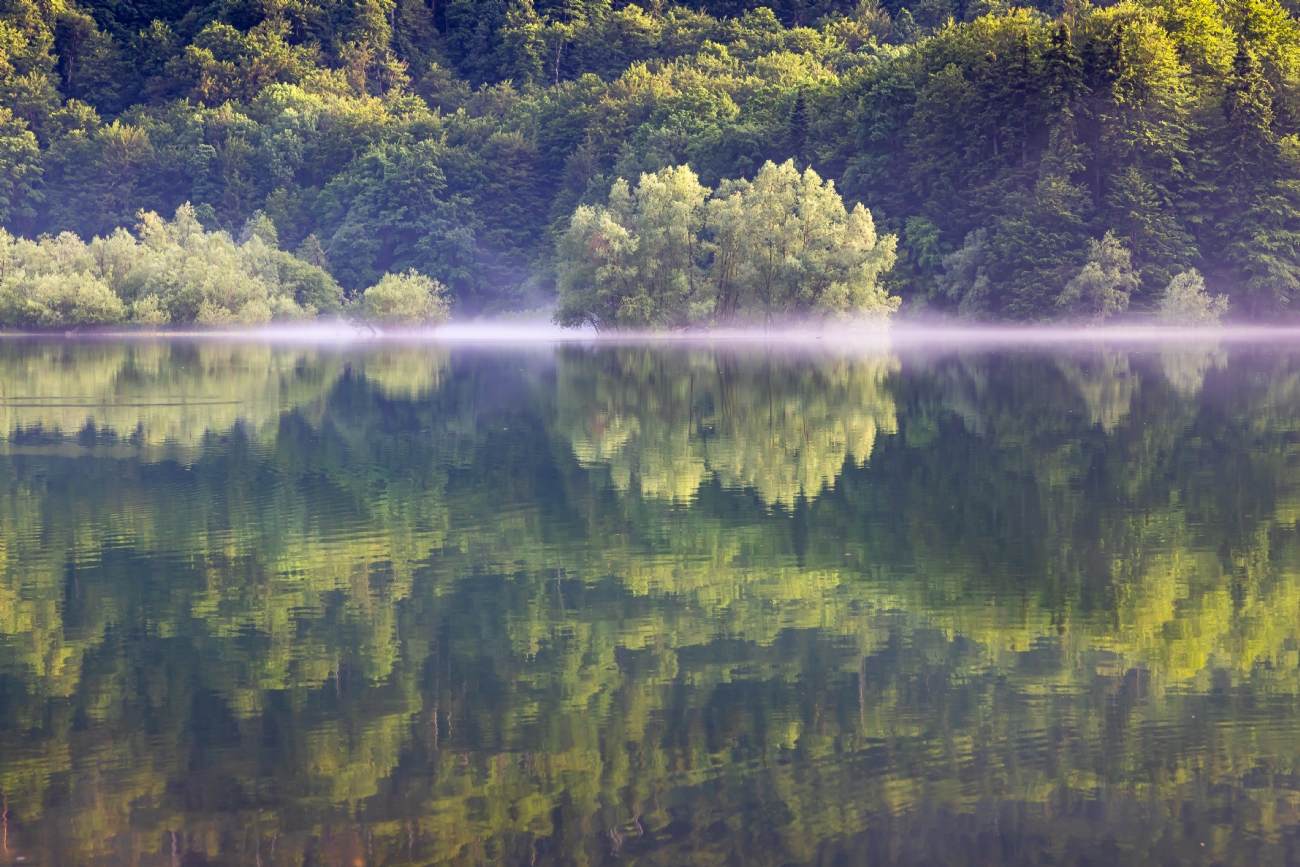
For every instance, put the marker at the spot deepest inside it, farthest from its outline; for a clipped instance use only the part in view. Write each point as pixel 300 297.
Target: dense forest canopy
pixel 1034 163
pixel 570 606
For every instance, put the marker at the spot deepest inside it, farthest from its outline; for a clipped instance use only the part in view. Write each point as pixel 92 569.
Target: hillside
pixel 457 137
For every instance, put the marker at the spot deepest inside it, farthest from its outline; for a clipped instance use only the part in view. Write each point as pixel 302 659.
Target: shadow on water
pixel 941 598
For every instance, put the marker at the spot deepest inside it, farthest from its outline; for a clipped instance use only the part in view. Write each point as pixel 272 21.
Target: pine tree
pixel 20 171
pixel 904 30
pixel 1062 68
pixel 522 46
pixel 1258 223
pixel 1019 86
pixel 798 125
pixel 1250 147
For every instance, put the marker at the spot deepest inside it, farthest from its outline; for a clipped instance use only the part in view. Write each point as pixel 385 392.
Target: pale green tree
pixel 1186 302
pixel 404 299
pixel 1102 288
pixel 786 246
pixel 633 263
pixel 595 268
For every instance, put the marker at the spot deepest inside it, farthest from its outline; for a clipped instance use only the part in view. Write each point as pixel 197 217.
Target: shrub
pixel 173 272
pixel 58 300
pixel 1186 302
pixel 148 312
pixel 403 299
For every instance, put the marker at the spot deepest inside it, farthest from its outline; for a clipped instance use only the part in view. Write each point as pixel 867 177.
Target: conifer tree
pixel 798 125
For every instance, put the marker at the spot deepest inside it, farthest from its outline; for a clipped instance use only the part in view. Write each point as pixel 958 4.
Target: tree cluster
pixel 176 273
pixel 672 253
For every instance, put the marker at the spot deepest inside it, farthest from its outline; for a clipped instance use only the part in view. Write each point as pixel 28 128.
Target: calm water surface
pixel 588 605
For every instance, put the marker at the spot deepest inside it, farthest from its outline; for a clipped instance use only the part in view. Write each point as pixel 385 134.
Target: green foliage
pixel 391 215
pixel 222 63
pixel 403 299
pixel 965 278
pixel 459 137
pixel 391 606
pixel 20 170
pixel 39 300
pixel 787 249
pixel 669 255
pixel 637 262
pixel 169 272
pixel 1103 287
pixel 1186 302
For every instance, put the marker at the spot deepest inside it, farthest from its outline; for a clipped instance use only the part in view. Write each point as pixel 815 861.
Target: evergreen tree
pixel 1250 147
pixel 798 125
pixel 1062 69
pixel 20 171
pixel 1258 218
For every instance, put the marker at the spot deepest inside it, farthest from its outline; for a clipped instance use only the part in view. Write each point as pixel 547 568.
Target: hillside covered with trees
pixel 1067 160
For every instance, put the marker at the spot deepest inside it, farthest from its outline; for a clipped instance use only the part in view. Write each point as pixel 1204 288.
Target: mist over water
pixel 873 334
pixel 505 594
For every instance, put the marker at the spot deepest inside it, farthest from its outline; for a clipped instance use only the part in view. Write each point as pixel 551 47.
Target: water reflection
pixel 687 606
pixel 781 424
pixel 167 397
pixel 1186 365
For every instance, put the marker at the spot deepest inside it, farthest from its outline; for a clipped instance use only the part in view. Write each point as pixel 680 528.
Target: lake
pixel 678 604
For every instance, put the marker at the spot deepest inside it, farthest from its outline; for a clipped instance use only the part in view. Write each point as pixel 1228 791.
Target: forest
pixel 1058 161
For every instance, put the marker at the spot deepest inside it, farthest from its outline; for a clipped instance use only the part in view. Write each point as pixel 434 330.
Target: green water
pixel 564 605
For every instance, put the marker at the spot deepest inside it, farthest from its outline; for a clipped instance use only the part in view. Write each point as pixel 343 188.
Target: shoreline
pixel 534 333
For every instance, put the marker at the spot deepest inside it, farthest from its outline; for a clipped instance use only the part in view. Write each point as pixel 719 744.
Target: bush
pixel 403 299
pixel 148 312
pixel 58 301
pixel 1104 285
pixel 1186 302
pixel 173 272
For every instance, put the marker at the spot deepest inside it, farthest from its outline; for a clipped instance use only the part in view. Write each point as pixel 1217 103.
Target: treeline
pixel 175 273
pixel 1000 145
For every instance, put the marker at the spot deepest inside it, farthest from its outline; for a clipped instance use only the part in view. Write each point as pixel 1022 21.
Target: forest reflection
pixel 400 605
pixel 780 425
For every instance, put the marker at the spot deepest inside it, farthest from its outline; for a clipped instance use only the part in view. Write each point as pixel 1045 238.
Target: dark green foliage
pixel 20 171
pixel 458 136
pixel 383 605
pixel 798 131
pixel 390 212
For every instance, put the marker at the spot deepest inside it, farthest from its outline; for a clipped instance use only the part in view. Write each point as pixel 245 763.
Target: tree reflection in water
pixel 659 605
